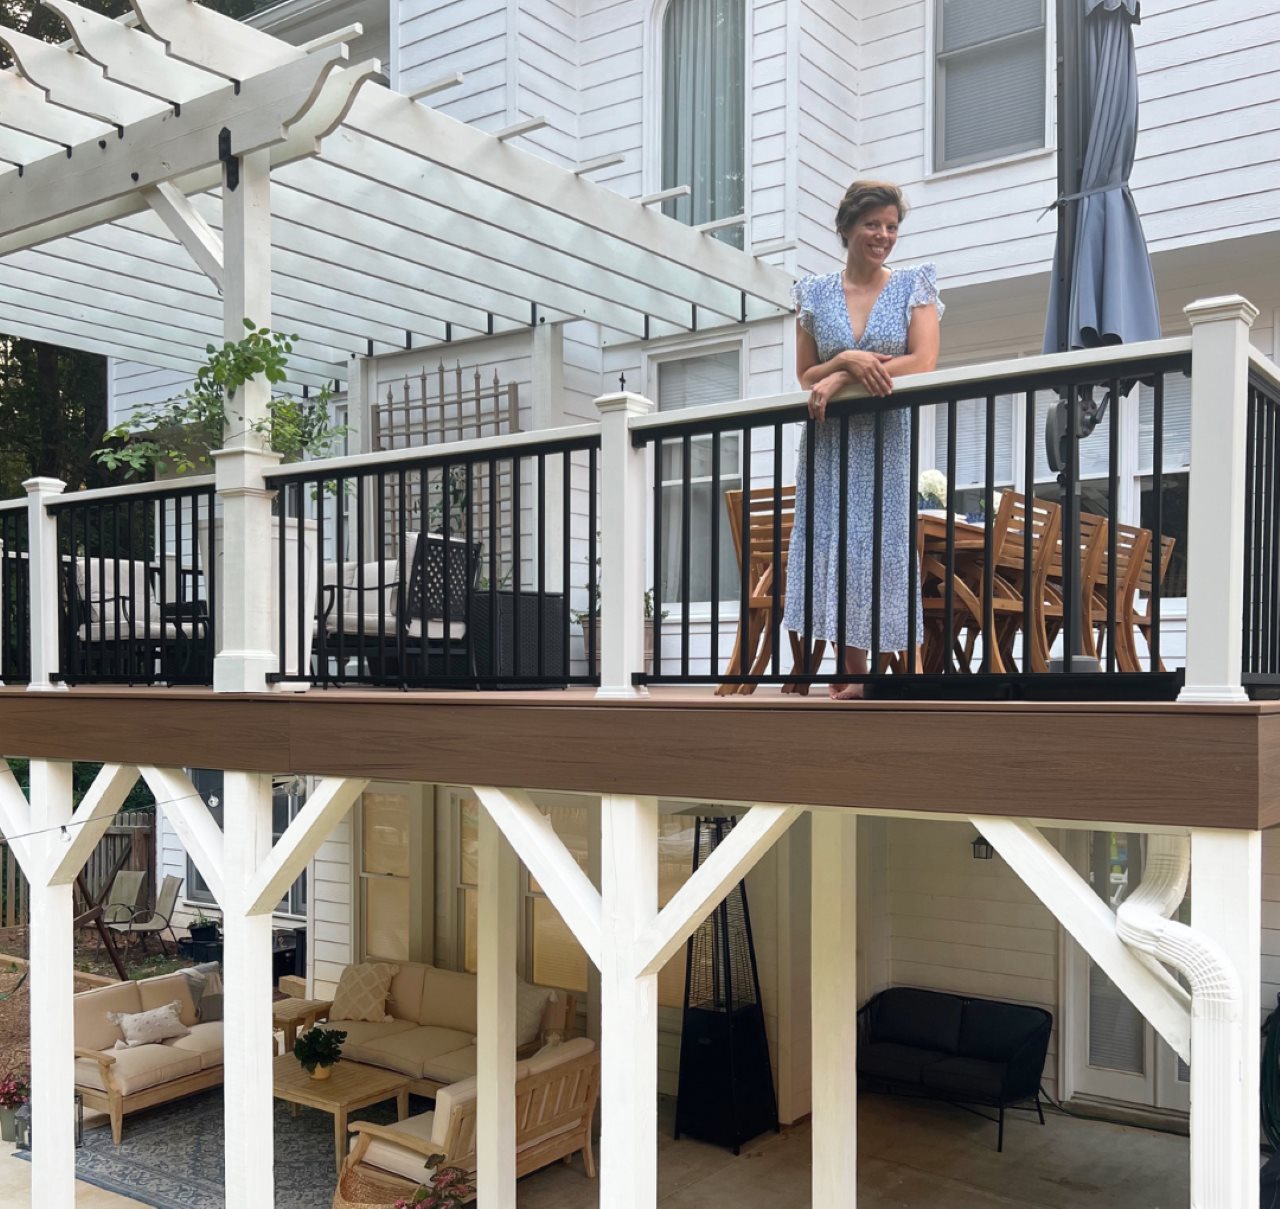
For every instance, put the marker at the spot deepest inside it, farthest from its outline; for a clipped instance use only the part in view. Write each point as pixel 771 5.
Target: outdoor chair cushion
pixel 359 1032
pixel 204 1040
pixel 447 1099
pixel 897 1063
pixel 149 1027
pixel 362 991
pixel 965 1078
pixel 926 1019
pixel 408 1052
pixel 531 1003
pixel 448 1000
pixel 454 1066
pixel 404 998
pixel 155 992
pixel 92 1028
pixel 137 1069
pixel 550 1056
pixel 406 1163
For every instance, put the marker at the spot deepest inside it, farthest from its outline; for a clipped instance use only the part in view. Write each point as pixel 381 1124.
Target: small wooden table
pixel 294 1014
pixel 350 1086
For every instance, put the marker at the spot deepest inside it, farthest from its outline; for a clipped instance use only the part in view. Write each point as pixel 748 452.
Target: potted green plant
pixel 14 1093
pixel 447 1188
pixel 319 1050
pixel 583 618
pixel 202 929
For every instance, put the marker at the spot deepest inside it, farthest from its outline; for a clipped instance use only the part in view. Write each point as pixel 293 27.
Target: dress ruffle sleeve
pixel 924 289
pixel 802 298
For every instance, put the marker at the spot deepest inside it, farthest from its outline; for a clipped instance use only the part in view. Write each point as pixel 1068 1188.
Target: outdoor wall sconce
pixel 982 850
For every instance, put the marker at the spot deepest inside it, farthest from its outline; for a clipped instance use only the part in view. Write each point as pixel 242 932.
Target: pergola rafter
pixel 390 221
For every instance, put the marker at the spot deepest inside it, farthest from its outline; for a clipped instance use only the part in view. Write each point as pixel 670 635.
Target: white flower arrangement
pixel 932 489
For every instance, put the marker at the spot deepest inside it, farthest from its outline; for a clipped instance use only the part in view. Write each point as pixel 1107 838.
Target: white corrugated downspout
pixel 1143 923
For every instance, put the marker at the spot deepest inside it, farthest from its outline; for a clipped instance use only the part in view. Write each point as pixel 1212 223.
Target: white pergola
pixel 388 221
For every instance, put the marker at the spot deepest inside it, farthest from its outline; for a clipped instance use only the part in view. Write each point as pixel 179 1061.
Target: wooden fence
pixel 129 843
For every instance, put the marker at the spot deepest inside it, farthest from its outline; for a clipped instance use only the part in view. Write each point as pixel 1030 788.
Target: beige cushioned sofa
pixel 431 1036
pixel 121 1081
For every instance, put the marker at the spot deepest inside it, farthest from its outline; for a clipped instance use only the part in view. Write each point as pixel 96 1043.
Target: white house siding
pixel 436 37
pixel 968 926
pixel 331 912
pixel 131 384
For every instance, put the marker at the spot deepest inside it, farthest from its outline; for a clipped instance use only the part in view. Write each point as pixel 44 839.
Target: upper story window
pixel 704 111
pixel 989 84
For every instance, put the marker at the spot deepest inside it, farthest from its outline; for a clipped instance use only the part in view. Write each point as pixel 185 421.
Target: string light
pixel 62 827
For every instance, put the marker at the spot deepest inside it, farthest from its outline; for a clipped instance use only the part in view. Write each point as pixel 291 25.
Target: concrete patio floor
pixel 913 1155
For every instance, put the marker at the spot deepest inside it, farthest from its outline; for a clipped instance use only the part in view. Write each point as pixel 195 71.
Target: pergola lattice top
pixel 390 219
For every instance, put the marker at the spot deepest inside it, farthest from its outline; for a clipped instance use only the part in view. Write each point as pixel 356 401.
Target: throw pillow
pixel 362 992
pixel 531 1002
pixel 148 1028
pixel 206 989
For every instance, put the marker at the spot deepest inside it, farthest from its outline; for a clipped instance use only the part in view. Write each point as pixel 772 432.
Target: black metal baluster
pixel 1157 552
pixel 566 556
pixel 1030 426
pixel 913 539
pixel 778 586
pixel 593 579
pixel 810 436
pixel 990 652
pixel 1113 518
pixel 744 601
pixel 516 589
pixel 877 536
pixel 686 541
pixel 949 609
pixel 842 557
pixel 716 503
pixel 542 558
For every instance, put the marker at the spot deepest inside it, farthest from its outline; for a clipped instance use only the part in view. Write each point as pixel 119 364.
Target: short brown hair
pixel 862 196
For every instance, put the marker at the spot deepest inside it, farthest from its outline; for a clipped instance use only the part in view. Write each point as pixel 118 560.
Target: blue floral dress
pixel 824 314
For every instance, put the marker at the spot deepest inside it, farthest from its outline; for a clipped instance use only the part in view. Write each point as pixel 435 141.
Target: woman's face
pixel 872 237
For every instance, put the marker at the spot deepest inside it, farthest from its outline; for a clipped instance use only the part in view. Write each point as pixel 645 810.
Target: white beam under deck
pixel 389 217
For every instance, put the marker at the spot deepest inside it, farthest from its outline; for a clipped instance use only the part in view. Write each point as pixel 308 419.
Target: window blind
pixel 1177 424
pixel 971 442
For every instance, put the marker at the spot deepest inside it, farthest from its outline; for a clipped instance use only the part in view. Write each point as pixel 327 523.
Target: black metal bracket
pixel 230 161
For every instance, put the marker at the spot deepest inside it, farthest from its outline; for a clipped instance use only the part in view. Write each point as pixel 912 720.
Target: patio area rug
pixel 171 1155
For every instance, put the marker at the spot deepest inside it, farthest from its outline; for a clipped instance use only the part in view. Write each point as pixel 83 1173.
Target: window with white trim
pixel 692 382
pixel 971 450
pixel 704 109
pixel 989 79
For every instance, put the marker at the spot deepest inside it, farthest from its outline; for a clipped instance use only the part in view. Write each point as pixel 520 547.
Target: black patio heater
pixel 725 1093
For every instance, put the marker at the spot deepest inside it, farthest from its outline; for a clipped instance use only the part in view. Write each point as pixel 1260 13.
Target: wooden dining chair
pixel 1133 546
pixel 1138 620
pixel 1049 616
pixel 766 509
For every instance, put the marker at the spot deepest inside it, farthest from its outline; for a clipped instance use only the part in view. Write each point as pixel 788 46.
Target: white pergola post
pixel 42 585
pixel 834 1005
pixel 248 1036
pixel 629 1004
pixel 1226 908
pixel 623 508
pixel 497 926
pixel 52 974
pixel 245 655
pixel 1215 508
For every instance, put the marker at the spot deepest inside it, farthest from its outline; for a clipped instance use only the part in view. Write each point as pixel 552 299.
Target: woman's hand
pixel 821 393
pixel 868 370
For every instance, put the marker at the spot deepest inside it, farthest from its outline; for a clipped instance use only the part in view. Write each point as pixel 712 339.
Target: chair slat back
pixel 763 507
pixel 1132 551
pixel 1167 544
pixel 167 899
pixel 1015 513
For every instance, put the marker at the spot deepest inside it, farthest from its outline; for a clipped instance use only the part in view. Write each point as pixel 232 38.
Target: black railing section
pixel 15 600
pixel 138 589
pixel 1261 647
pixel 877 592
pixel 447 569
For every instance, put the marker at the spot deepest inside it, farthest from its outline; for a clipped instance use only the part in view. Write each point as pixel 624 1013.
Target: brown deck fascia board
pixel 1153 764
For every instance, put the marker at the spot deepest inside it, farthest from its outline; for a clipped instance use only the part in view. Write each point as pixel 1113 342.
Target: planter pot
pixel 203 934
pixel 7 1131
pixel 648 644
pixel 321 1072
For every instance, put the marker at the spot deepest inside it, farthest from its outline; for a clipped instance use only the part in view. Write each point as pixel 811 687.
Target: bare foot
pixel 845 692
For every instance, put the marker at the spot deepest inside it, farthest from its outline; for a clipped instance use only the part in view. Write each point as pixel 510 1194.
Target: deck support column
pixel 629 1007
pixel 834 977
pixel 249 1040
pixel 497 926
pixel 1226 910
pixel 42 584
pixel 246 627
pixel 53 1158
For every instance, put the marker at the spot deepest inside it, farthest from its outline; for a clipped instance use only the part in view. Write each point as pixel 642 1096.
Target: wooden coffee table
pixel 294 1014
pixel 350 1086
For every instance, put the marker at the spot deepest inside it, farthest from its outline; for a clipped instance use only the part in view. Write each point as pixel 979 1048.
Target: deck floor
pixel 913 1155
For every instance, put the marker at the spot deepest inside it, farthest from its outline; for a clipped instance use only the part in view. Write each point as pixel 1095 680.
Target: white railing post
pixel 246 624
pixel 1215 510
pixel 42 566
pixel 622 522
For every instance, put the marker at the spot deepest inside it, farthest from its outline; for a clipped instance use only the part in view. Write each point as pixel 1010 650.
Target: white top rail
pixel 985 374
pixel 452 450
pixel 13 505
pixel 1262 365
pixel 164 487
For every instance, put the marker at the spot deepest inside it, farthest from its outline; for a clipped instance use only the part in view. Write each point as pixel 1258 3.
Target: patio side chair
pixel 1138 620
pixel 144 922
pixel 122 897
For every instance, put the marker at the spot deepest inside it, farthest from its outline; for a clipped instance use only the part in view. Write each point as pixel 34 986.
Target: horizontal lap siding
pixel 331 933
pixel 966 926
pixel 548 83
pixel 470 36
pixel 130 384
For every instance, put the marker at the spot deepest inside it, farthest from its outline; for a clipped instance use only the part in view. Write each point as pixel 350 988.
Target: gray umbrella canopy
pixel 1112 292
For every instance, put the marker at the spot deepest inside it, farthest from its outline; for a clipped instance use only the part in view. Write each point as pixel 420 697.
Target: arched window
pixel 704 111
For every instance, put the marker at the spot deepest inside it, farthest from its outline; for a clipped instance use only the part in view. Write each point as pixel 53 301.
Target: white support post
pixel 497 926
pixel 547 408
pixel 42 563
pixel 1215 508
pixel 247 623
pixel 91 819
pixel 629 1008
pixel 249 1041
pixel 623 508
pixel 834 1004
pixel 189 817
pixel 1226 908
pixel 53 1157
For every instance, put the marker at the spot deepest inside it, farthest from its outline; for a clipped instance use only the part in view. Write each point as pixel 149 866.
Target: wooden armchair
pixel 1051 616
pixel 1138 621
pixel 1132 549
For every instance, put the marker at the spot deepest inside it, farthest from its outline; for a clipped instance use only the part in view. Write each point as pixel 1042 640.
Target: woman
pixel 861 327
